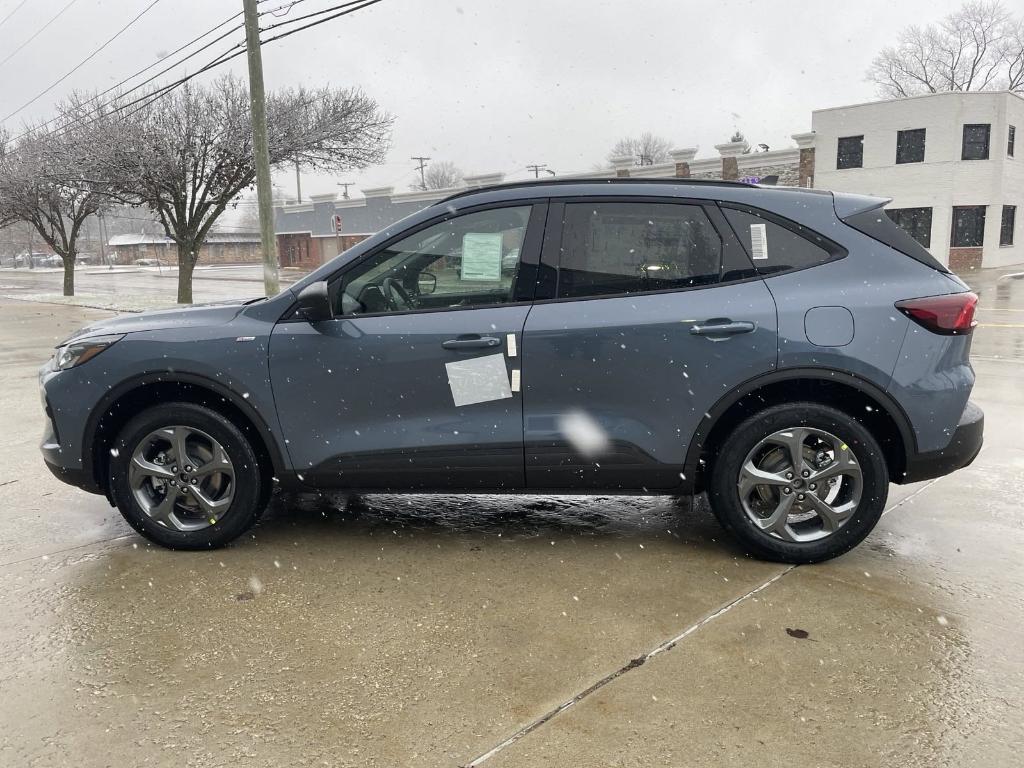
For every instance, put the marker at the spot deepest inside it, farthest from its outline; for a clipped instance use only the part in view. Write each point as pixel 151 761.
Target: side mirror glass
pixel 426 283
pixel 315 302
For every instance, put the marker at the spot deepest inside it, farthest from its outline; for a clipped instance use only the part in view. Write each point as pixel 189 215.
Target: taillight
pixel 952 314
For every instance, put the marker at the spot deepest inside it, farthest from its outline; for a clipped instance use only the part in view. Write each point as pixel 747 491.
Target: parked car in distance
pixel 150 263
pixel 790 352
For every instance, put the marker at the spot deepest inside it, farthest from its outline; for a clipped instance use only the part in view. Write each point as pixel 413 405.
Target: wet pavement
pixel 511 631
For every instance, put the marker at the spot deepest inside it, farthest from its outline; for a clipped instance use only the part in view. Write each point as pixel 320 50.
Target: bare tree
pixel 646 148
pixel 51 179
pixel 441 175
pixel 980 47
pixel 187 156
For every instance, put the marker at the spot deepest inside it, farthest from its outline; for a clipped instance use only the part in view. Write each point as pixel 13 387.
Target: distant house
pixel 219 248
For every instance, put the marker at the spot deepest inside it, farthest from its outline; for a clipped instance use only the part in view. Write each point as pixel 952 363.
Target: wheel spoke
pixel 214 508
pixel 844 463
pixel 793 441
pixel 778 521
pixel 751 477
pixel 163 512
pixel 832 517
pixel 219 462
pixel 143 468
pixel 178 438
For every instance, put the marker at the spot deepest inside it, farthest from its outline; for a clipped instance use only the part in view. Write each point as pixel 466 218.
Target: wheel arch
pixel 858 398
pixel 134 395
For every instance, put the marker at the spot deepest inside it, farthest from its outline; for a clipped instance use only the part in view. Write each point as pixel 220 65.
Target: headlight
pixel 78 352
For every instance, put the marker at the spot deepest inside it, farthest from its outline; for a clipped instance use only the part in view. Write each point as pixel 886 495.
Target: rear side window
pixel 777 248
pixel 622 248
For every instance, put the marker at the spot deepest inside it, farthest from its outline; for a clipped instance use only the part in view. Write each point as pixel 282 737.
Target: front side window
pixel 775 248
pixel 968 226
pixel 916 222
pixel 624 248
pixel 910 146
pixel 976 142
pixel 1006 224
pixel 464 261
pixel 850 153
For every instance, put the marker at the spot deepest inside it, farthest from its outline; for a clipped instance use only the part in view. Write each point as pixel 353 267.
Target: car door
pixel 410 385
pixel 648 312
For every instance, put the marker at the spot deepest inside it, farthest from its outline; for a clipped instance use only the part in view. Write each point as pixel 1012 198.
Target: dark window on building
pixel 916 222
pixel 775 248
pixel 910 146
pixel 976 142
pixel 968 226
pixel 851 152
pixel 617 248
pixel 1011 138
pixel 1006 224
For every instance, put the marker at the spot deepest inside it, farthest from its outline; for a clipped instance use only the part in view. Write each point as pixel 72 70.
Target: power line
pixel 37 33
pixel 82 63
pixel 16 9
pixel 422 166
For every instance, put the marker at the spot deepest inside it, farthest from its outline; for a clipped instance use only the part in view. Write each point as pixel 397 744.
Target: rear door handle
pixel 472 342
pixel 722 328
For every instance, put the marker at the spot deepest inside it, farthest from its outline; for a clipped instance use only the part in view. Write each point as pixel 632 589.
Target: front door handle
pixel 722 328
pixel 473 341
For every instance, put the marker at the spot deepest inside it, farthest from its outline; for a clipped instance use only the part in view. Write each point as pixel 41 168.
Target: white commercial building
pixel 949 162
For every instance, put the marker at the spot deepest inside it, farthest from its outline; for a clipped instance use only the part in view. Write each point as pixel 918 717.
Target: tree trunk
pixel 186 262
pixel 69 274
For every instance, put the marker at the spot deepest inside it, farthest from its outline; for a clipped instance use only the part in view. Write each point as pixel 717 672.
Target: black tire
pixel 724 495
pixel 247 502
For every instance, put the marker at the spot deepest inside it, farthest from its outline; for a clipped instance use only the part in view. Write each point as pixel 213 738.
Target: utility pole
pixel 645 159
pixel 537 169
pixel 422 166
pixel 298 183
pixel 346 185
pixel 261 152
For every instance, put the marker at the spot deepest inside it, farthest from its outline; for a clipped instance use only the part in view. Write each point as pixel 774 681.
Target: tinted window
pixel 615 248
pixel 910 146
pixel 850 153
pixel 776 248
pixel 464 261
pixel 968 226
pixel 976 142
pixel 916 222
pixel 1006 224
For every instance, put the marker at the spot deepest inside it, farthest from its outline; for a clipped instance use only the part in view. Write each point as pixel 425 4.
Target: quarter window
pixel 623 248
pixel 968 226
pixel 910 146
pixel 850 153
pixel 775 248
pixel 916 222
pixel 463 261
pixel 1006 224
pixel 975 145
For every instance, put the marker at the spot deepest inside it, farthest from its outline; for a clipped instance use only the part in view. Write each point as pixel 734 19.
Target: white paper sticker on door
pixel 481 256
pixel 478 380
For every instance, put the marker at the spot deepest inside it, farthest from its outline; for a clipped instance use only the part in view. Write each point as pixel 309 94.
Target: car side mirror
pixel 426 283
pixel 315 302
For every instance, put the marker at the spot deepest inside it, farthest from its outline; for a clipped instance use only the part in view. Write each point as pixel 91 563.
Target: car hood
pixel 157 320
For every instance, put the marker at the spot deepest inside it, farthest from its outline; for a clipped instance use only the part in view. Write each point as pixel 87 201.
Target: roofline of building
pixel 920 96
pixel 618 180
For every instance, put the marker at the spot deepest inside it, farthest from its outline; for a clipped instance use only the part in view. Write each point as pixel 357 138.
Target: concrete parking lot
pixel 511 631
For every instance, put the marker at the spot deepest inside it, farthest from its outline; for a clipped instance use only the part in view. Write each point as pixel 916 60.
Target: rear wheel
pixel 185 477
pixel 799 483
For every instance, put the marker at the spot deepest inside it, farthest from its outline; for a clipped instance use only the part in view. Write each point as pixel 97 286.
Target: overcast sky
pixel 492 85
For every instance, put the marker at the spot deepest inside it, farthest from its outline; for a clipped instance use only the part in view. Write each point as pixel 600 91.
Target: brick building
pixel 219 248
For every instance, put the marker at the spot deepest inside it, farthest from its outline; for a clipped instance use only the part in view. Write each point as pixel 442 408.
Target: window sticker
pixel 478 380
pixel 481 256
pixel 759 241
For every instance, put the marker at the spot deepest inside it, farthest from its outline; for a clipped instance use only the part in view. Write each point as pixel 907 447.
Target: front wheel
pixel 185 477
pixel 799 483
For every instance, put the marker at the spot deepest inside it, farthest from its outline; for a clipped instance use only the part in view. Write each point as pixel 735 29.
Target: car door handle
pixel 471 342
pixel 722 328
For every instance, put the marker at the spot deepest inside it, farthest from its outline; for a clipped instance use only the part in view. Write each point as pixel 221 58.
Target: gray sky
pixel 495 85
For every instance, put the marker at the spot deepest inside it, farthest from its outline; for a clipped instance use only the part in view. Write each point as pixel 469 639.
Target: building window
pixel 1006 225
pixel 851 152
pixel 910 146
pixel 1011 136
pixel 916 222
pixel 968 226
pixel 976 142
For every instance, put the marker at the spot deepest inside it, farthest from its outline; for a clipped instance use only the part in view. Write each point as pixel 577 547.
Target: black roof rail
pixel 674 180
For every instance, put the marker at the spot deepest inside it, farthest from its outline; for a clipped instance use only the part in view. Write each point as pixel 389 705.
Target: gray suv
pixel 790 352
